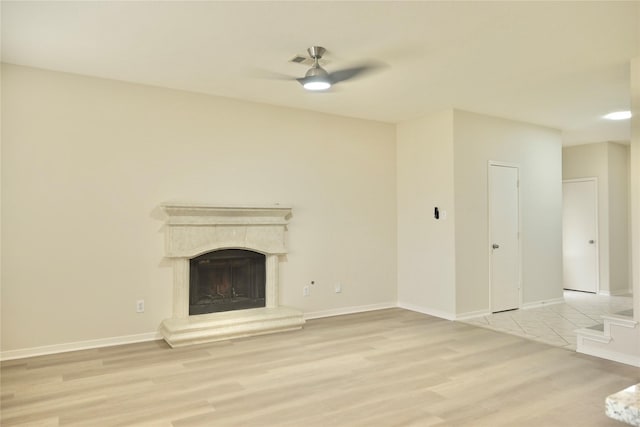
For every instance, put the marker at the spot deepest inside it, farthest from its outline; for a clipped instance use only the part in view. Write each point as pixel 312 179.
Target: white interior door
pixel 504 226
pixel 579 231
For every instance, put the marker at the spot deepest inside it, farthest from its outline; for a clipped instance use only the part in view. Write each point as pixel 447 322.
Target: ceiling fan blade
pixel 353 72
pixel 259 73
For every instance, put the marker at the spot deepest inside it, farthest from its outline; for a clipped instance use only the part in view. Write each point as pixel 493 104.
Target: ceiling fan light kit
pixel 316 85
pixel 316 77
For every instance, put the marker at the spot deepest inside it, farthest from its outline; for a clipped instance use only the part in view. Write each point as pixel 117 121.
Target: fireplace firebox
pixel 225 280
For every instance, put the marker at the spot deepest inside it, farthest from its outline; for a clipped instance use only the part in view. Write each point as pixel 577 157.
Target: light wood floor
pixel 384 368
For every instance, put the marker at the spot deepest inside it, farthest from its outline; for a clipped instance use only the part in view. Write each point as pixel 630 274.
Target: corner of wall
pixel 426 257
pixel 618 218
pixel 635 181
pixel 479 139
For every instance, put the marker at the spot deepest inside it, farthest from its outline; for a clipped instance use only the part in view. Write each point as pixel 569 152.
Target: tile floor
pixel 555 324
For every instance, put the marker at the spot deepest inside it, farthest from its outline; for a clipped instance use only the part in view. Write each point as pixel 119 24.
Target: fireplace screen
pixel 225 280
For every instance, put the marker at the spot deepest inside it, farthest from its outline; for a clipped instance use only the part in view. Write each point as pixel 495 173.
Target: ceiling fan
pixel 318 79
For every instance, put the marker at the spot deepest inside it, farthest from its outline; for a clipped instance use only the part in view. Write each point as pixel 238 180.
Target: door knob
pixel 591 242
pixel 495 246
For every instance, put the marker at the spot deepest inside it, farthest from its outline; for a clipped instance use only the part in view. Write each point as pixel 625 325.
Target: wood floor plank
pixel 382 368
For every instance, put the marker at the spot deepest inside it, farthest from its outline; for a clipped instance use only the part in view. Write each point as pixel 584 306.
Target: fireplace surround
pixel 192 230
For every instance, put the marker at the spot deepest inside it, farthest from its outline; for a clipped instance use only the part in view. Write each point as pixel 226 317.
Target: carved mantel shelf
pixel 186 213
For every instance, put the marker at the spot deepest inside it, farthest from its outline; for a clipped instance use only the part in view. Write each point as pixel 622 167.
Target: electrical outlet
pixel 338 288
pixel 140 306
pixel 305 291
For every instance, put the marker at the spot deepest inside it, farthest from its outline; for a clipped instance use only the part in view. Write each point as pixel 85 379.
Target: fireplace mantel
pixel 186 213
pixel 193 229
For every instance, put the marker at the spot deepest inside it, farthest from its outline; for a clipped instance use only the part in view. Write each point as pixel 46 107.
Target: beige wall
pixel 443 266
pixel 619 228
pixel 609 163
pixel 634 187
pixel 426 253
pixel 86 162
pixel 479 139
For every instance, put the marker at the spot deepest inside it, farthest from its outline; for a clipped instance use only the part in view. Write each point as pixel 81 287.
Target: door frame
pixel 516 166
pixel 596 201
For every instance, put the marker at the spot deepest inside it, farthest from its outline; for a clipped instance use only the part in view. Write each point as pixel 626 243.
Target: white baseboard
pixel 541 303
pixel 615 292
pixel 79 345
pixel 153 336
pixel 348 310
pixel 472 314
pixel 429 311
pixel 627 359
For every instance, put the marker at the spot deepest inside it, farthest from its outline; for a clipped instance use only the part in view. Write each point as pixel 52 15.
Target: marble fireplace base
pixel 228 325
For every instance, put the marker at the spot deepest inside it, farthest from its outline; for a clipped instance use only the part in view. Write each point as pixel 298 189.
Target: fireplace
pixel 226 280
pixel 226 262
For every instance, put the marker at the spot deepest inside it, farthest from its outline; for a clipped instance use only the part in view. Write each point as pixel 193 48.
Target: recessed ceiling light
pixel 618 115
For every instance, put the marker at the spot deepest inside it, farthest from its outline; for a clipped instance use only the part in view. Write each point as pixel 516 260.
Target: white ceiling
pixel 558 64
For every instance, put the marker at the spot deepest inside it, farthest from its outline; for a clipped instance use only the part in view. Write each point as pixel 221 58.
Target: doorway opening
pixel 579 235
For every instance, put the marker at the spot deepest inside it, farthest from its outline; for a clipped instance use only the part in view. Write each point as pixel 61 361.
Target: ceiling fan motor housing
pixel 316 52
pixel 316 71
